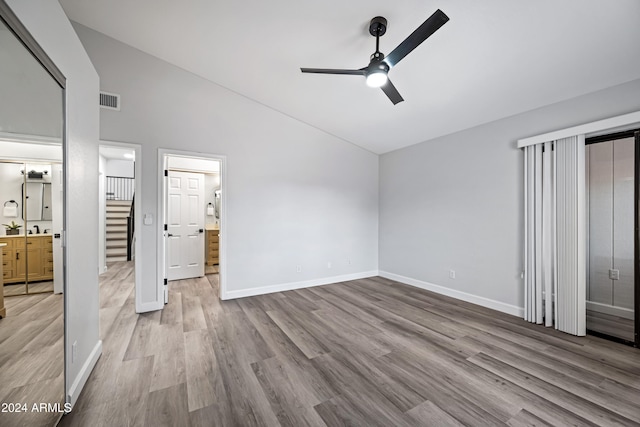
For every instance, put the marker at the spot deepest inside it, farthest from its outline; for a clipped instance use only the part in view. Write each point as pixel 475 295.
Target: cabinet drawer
pixel 214 238
pixel 7 274
pixel 9 243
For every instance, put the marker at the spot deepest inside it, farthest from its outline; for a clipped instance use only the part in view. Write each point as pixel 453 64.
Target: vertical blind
pixel 555 234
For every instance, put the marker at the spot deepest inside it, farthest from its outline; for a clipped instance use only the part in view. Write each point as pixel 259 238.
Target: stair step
pixel 117 246
pixel 119 221
pixel 116 258
pixel 116 251
pixel 116 236
pixel 118 202
pixel 117 214
pixel 116 229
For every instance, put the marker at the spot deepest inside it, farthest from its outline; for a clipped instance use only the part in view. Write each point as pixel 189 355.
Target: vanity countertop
pixel 15 236
pixel 1 245
pixel 210 227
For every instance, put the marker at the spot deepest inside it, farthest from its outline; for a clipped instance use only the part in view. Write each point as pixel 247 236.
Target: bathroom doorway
pixel 612 236
pixel 192 222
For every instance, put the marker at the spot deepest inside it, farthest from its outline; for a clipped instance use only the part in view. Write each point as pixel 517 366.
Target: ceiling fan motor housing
pixel 378 26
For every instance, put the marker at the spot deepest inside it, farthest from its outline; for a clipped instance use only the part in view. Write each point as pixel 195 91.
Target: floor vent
pixel 110 101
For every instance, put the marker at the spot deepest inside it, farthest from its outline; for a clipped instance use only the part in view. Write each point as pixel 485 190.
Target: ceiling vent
pixel 110 101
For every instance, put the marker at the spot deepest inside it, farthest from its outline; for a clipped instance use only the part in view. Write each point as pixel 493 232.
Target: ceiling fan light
pixel 377 78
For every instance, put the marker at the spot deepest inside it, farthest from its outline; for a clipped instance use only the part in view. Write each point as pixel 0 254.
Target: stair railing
pixel 131 228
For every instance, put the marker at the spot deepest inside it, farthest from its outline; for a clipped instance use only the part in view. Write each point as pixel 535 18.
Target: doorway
pixel 120 223
pixel 612 236
pixel 192 205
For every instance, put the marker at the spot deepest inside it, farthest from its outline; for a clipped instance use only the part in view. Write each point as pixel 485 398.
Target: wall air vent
pixel 110 101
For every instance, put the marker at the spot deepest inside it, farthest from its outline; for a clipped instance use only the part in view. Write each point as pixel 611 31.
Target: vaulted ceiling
pixel 493 59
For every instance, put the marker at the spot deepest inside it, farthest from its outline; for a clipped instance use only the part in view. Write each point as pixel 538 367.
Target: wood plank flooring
pixel 34 287
pixel 32 357
pixel 368 352
pixel 614 326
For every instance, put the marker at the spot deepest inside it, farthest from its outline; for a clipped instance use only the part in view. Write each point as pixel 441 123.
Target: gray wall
pixel 455 202
pixel 296 195
pixel 48 24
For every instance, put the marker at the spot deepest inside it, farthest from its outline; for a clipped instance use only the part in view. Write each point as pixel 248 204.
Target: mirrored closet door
pixel 611 236
pixel 32 317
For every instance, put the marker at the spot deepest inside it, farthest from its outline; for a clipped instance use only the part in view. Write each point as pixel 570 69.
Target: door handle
pixel 201 231
pixel 169 235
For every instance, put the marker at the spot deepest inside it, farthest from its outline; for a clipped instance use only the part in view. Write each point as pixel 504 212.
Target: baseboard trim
pixel 83 375
pixel 474 299
pixel 296 285
pixel 625 313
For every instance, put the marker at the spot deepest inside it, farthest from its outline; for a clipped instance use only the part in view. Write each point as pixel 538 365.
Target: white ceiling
pixel 117 153
pixel 493 59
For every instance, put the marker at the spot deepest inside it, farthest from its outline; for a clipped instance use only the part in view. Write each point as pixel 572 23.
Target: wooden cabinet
pixel 32 259
pixel 212 248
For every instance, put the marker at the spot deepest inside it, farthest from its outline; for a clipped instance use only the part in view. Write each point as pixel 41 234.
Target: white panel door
pixel 185 225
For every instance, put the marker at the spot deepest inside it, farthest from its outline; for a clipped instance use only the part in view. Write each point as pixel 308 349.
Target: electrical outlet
pixel 298 268
pixel 74 351
pixel 614 274
pixel 452 274
pixel 329 264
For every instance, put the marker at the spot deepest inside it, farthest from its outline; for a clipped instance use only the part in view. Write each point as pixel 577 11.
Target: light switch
pixel 614 274
pixel 148 219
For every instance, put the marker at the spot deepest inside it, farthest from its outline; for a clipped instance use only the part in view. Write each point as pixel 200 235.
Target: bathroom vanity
pixel 32 256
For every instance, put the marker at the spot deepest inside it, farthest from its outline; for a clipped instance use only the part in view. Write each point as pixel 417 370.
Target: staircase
pixel 116 229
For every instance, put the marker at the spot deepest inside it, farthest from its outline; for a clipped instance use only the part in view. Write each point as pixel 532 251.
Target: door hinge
pixel 165 227
pixel 166 282
pixel 166 172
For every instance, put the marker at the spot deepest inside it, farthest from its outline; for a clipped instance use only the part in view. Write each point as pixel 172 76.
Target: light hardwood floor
pixel 32 358
pixel 368 352
pixel 34 287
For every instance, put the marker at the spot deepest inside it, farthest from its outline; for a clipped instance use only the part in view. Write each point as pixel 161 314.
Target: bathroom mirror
pixel 32 195
pixel 46 202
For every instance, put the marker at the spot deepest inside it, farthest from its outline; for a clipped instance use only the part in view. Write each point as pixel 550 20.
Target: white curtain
pixel 555 234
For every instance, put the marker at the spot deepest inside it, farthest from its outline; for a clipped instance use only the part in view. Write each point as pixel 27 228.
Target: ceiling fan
pixel 377 71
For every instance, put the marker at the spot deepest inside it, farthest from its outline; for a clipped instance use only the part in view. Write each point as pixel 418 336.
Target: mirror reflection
pixel 31 214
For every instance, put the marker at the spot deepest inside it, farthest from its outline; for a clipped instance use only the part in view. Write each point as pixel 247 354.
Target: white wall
pixel 296 195
pixel 48 24
pixel 211 184
pixel 102 215
pixel 120 168
pixel 456 202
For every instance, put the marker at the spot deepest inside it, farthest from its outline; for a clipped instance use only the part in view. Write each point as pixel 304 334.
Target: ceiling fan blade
pixel 428 27
pixel 390 90
pixel 332 71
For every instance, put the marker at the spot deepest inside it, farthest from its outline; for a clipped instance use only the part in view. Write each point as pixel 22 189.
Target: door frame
pixel 137 222
pixel 163 153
